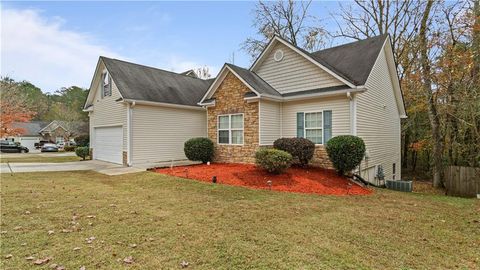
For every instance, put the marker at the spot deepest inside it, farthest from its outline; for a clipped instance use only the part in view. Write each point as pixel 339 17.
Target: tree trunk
pixel 432 100
pixel 476 42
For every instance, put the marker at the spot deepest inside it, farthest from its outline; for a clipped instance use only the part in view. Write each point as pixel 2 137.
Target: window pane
pixel 314 135
pixel 237 136
pixel 313 120
pixel 223 122
pixel 237 121
pixel 223 136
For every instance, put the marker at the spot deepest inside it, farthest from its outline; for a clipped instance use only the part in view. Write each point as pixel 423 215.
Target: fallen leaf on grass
pixel 3 232
pixel 60 267
pixel 30 258
pixel 128 260
pixel 133 245
pixel 91 216
pixel 42 261
pixel 82 268
pixel 51 232
pixel 66 231
pixel 112 205
pixel 28 212
pixel 17 228
pixel 184 264
pixel 90 239
pixel 76 248
pixel 23 244
pixel 9 256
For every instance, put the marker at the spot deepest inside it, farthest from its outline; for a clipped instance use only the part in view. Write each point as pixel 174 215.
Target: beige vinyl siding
pixel 159 133
pixel 270 117
pixel 107 111
pixel 293 72
pixel 339 106
pixel 378 121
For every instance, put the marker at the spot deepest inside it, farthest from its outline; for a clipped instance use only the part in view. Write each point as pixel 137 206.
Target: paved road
pixel 94 165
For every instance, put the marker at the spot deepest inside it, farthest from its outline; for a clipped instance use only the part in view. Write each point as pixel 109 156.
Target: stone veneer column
pixel 229 99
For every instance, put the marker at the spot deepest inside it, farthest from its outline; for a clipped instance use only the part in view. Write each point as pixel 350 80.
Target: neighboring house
pixel 30 133
pixel 55 131
pixel 140 114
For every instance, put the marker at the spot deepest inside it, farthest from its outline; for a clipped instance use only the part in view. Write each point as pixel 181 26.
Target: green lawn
pixel 38 158
pixel 171 220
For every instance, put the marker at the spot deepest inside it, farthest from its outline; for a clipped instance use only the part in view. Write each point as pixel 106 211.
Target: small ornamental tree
pixel 82 140
pixel 346 152
pixel 82 152
pixel 199 149
pixel 273 160
pixel 301 149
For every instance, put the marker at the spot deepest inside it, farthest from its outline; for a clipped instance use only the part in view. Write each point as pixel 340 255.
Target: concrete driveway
pixel 94 165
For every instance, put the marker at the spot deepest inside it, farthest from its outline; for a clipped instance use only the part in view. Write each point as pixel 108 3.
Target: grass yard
pixel 161 221
pixel 38 158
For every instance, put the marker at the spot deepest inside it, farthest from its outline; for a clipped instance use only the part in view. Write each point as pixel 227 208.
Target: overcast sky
pixel 57 44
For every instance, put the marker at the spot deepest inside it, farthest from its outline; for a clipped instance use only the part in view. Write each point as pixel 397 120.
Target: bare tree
pixel 430 94
pixel 288 19
pixel 203 72
pixel 370 18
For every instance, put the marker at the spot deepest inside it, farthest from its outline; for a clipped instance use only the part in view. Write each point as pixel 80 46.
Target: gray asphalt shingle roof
pixel 140 82
pixel 353 61
pixel 30 128
pixel 254 81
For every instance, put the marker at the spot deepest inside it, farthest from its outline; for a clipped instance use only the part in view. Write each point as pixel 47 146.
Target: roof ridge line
pixel 141 65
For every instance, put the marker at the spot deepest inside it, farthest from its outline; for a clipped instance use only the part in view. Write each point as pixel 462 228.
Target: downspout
pixel 129 132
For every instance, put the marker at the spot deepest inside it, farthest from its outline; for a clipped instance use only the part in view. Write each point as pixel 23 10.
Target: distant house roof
pixel 254 81
pixel 30 128
pixel 190 73
pixel 138 82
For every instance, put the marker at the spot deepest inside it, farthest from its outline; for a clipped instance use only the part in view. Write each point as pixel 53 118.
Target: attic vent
pixel 278 56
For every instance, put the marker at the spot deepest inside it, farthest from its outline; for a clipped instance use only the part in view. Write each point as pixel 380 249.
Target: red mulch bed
pixel 308 180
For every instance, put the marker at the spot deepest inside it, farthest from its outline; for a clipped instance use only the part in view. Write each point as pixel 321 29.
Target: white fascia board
pixel 325 94
pixel 162 104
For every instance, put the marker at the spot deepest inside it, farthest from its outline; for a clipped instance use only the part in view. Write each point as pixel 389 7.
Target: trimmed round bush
pixel 273 160
pixel 199 149
pixel 301 149
pixel 82 152
pixel 346 152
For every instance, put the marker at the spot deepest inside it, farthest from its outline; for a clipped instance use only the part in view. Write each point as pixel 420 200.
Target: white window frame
pixel 305 125
pixel 230 129
pixel 105 73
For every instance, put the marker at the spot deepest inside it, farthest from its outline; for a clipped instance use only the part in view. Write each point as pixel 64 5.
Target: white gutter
pixel 162 104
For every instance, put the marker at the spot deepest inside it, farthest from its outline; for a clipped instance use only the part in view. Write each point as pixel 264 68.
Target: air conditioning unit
pixel 399 185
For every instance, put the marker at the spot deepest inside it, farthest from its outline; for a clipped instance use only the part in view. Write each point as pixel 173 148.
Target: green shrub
pixel 199 149
pixel 273 160
pixel 69 148
pixel 82 140
pixel 82 152
pixel 346 152
pixel 301 149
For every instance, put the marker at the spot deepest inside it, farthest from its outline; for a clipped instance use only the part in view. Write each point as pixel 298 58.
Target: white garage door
pixel 29 142
pixel 108 144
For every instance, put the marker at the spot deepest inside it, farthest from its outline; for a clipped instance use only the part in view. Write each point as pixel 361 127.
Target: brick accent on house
pixel 124 158
pixel 229 99
pixel 320 158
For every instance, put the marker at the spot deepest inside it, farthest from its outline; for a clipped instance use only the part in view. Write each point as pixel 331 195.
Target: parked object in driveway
pixel 40 144
pixel 49 147
pixel 12 147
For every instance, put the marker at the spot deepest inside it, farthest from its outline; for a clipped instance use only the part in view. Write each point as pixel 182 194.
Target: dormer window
pixel 106 84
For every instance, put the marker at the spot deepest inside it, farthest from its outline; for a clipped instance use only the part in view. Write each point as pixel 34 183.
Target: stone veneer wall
pixel 229 99
pixel 320 158
pixel 125 158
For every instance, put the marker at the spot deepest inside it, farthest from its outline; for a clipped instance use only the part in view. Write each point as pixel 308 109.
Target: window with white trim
pixel 230 129
pixel 314 127
pixel 106 84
